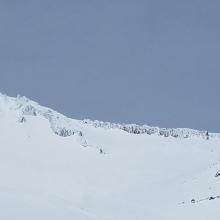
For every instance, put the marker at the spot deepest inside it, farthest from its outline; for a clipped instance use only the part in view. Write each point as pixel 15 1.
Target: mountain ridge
pixel 54 167
pixel 64 126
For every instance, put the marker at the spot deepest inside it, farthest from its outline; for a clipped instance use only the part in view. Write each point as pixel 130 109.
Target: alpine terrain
pixel 54 167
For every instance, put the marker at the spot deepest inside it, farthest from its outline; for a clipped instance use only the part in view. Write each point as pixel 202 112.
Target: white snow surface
pixel 53 167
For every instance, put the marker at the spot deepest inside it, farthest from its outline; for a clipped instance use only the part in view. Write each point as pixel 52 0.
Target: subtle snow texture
pixel 53 167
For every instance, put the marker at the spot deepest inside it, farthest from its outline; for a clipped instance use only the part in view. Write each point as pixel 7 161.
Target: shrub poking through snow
pixel 193 201
pixel 217 174
pixel 64 132
pixel 29 110
pixel 22 119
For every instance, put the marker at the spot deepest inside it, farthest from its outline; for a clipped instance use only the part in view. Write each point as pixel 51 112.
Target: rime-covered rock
pixel 63 126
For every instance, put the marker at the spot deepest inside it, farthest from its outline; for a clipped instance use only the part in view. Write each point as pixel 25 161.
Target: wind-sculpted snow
pixel 63 126
pixel 22 107
pixel 145 129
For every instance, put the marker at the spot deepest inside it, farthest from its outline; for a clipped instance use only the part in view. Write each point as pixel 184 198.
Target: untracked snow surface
pixel 53 167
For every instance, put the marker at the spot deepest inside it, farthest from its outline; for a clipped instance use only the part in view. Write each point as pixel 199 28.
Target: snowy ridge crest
pixel 64 126
pixel 145 129
pixel 22 107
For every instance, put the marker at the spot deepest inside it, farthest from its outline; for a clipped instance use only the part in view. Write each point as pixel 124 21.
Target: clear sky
pixel 153 62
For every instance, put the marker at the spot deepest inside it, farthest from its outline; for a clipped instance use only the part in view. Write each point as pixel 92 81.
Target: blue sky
pixel 150 62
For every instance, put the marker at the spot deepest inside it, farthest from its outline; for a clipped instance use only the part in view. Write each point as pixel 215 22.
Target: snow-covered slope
pixel 53 167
